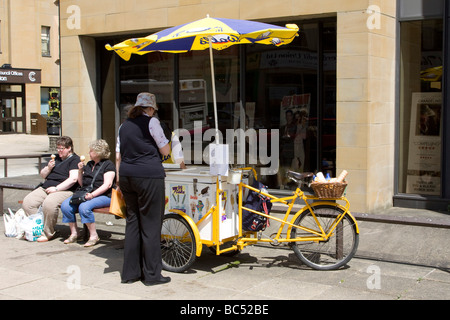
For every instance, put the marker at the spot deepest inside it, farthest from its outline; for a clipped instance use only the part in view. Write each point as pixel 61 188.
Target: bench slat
pixel 102 210
pixel 18 186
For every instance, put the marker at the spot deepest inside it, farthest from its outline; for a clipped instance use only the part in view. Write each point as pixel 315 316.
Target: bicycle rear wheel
pixel 329 254
pixel 178 248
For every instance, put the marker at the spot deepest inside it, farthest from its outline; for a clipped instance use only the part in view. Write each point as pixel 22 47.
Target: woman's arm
pixel 80 173
pixel 165 150
pixel 47 169
pixel 66 184
pixel 108 179
pixel 158 135
pixel 118 160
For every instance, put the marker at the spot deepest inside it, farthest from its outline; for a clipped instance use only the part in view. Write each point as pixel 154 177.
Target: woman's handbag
pixel 118 206
pixel 79 195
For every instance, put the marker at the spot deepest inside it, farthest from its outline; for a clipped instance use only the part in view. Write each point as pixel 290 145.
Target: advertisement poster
pixel 179 197
pixel 424 158
pixel 294 115
pixel 199 202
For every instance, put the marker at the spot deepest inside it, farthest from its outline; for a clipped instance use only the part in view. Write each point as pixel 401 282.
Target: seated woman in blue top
pixel 98 198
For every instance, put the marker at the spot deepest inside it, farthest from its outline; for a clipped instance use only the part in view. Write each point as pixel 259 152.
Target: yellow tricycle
pixel 323 233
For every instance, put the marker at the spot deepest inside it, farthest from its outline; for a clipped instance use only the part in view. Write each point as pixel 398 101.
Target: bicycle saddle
pixel 299 176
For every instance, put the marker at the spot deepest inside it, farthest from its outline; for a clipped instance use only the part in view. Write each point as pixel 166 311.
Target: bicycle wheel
pixel 329 254
pixel 178 248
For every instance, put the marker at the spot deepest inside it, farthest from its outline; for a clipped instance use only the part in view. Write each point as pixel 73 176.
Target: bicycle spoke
pixel 177 244
pixel 326 253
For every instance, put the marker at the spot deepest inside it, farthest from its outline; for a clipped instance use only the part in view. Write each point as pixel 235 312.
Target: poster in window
pixel 294 115
pixel 424 158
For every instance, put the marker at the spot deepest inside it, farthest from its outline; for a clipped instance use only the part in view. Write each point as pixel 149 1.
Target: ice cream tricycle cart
pixel 207 210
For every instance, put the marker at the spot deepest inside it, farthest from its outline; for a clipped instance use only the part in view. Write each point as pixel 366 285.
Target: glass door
pixel 12 109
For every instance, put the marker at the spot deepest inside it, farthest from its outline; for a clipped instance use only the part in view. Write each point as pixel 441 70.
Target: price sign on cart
pixel 218 159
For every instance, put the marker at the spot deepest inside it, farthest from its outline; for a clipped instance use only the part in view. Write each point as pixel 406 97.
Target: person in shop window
pixel 301 120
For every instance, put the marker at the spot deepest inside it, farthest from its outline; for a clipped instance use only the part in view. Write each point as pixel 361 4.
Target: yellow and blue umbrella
pixel 196 35
pixel 130 46
pixel 208 33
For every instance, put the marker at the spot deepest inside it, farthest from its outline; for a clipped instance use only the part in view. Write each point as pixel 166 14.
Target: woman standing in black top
pixel 140 143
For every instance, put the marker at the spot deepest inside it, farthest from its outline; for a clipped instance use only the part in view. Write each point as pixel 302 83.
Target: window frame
pixel 46 41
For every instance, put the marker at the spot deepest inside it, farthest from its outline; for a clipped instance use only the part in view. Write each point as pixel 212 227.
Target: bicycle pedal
pixel 275 242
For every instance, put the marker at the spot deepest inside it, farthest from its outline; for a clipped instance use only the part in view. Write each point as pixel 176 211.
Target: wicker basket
pixel 329 189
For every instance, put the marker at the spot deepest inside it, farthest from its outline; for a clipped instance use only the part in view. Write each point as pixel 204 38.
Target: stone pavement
pixel 393 262
pixel 394 268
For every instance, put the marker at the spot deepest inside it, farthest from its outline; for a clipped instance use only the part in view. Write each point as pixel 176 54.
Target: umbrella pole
pixel 216 218
pixel 213 83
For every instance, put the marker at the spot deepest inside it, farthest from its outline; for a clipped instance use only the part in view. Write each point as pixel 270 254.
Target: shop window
pixel 293 89
pixel 420 125
pixel 45 41
pixel 196 99
pixel 153 73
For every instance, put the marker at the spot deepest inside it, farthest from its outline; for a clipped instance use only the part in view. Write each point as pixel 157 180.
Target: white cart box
pixel 193 191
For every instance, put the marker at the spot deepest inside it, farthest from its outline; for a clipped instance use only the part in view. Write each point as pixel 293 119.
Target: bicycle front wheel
pixel 336 250
pixel 178 248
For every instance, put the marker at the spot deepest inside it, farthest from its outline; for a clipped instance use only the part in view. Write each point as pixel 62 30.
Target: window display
pixel 421 107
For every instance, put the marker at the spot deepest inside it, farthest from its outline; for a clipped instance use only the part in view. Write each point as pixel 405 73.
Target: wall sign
pixel 19 76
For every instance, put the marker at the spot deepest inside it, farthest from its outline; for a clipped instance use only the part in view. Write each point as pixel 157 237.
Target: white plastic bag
pixel 10 224
pixel 33 225
pixel 19 216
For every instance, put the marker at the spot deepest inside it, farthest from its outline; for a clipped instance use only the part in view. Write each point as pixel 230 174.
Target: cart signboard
pixel 193 191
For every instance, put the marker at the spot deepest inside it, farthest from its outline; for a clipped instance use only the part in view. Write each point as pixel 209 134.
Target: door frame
pixel 16 120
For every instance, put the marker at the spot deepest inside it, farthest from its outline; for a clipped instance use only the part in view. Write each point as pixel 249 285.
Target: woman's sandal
pixel 92 242
pixel 71 239
pixel 42 239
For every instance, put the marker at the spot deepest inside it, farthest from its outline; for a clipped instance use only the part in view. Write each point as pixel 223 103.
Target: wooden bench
pixel 30 182
pixel 26 182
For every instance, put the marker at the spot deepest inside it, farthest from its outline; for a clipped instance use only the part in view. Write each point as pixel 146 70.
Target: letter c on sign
pixel 31 76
